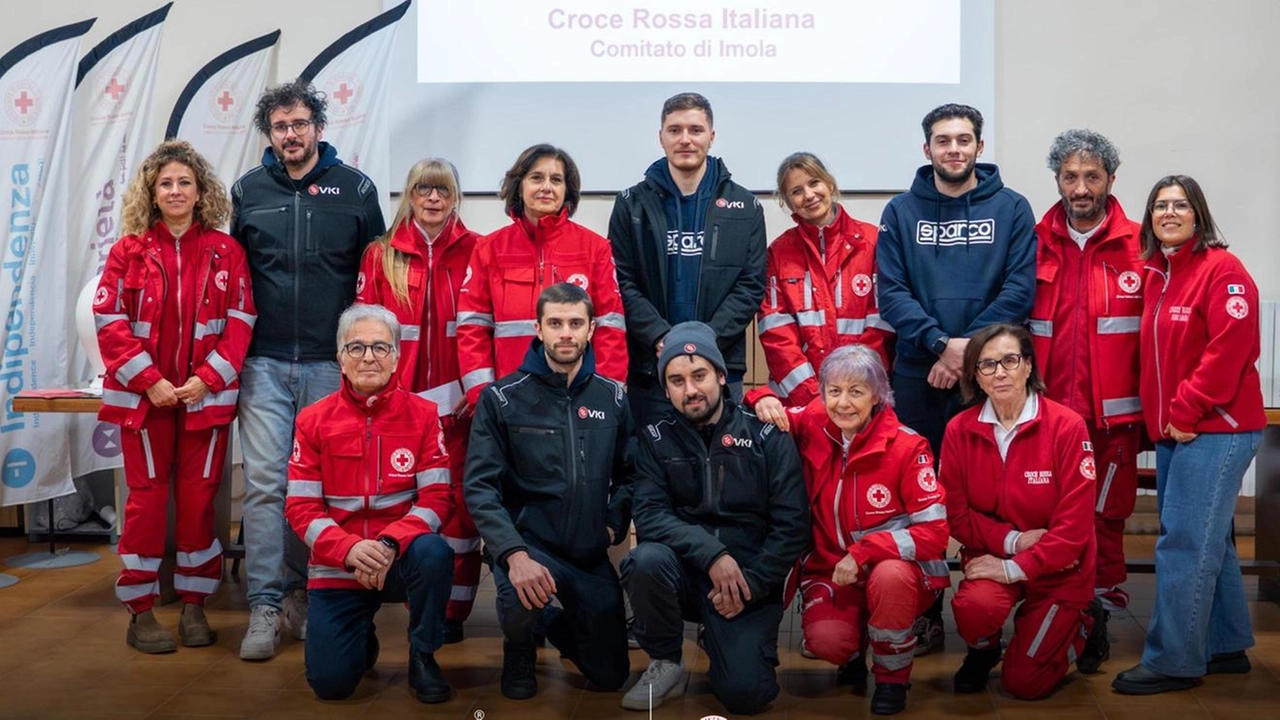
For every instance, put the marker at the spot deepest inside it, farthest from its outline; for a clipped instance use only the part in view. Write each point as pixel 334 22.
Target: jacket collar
pixel 408 238
pixel 535 363
pixel 373 404
pixel 327 157
pixel 875 438
pixel 1056 221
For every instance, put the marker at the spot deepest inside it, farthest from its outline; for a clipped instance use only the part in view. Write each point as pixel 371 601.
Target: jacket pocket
pixel 537 452
pixel 684 482
pixel 514 297
pixel 343 457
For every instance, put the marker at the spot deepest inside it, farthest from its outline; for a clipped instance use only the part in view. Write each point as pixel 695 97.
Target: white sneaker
pixel 263 638
pixel 295 613
pixel 661 679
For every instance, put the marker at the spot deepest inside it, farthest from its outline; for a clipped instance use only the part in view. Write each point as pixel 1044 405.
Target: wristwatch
pixel 395 546
pixel 939 346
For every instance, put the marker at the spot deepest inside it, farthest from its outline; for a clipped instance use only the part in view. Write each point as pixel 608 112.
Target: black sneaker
pixel 853 673
pixel 452 631
pixel 929 632
pixel 518 680
pixel 976 670
pixel 1232 663
pixel 889 698
pixel 428 683
pixel 1096 647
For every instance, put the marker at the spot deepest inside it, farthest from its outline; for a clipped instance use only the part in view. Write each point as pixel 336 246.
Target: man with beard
pixel 303 218
pixel 547 482
pixel 955 253
pixel 722 515
pixel 1084 324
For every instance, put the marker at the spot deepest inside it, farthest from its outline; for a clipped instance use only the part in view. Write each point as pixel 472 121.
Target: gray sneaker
pixel 662 677
pixel 263 638
pixel 295 613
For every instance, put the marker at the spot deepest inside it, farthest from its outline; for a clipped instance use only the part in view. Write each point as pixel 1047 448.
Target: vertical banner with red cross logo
pixel 215 111
pixel 37 79
pixel 110 135
pixel 355 73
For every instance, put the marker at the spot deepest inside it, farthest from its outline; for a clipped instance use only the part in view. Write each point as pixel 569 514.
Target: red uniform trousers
pixel 460 532
pixel 886 604
pixel 1115 451
pixel 1048 634
pixel 164 445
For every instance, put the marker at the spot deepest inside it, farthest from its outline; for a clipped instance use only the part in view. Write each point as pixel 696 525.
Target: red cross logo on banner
pixel 343 93
pixel 114 89
pixel 24 102
pixel 225 101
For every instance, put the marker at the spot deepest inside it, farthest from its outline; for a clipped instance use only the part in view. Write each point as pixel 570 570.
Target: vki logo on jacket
pixel 731 441
pixel 730 204
pixel 585 412
pixel 323 190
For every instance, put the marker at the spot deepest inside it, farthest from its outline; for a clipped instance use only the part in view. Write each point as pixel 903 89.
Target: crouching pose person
pixel 879 523
pixel 369 491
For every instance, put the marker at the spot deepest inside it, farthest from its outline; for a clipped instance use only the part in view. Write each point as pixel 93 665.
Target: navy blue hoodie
pixel 686 218
pixel 951 266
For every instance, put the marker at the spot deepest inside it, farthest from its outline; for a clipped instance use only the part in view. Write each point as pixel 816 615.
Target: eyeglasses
pixel 1181 207
pixel 357 349
pixel 424 190
pixel 1008 362
pixel 300 127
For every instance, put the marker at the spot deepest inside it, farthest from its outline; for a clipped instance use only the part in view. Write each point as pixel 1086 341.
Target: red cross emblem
pixel 1130 281
pixel 861 285
pixel 220 279
pixel 343 93
pixel 23 102
pixel 114 89
pixel 927 480
pixel 578 279
pixel 1087 468
pixel 878 495
pixel 297 452
pixel 225 101
pixel 402 460
pixel 1237 307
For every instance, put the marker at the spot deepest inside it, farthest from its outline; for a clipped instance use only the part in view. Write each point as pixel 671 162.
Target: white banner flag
pixel 355 72
pixel 110 136
pixel 37 79
pixel 215 111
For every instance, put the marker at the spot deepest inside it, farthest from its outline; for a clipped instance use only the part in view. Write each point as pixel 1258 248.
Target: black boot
pixel 428 683
pixel 889 698
pixel 853 673
pixel 452 632
pixel 1097 647
pixel 518 680
pixel 973 674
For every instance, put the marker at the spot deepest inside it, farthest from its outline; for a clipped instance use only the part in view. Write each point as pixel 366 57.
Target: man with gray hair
pixel 369 489
pixel 1084 324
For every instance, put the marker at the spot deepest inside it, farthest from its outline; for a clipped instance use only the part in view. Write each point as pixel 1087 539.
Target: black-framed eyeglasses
pixel 425 190
pixel 299 127
pixel 1008 362
pixel 357 349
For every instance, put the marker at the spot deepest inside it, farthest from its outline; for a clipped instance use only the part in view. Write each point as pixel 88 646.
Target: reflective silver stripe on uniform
pixel 812 318
pixel 1106 487
pixel 410 333
pixel 462 545
pixel 850 326
pixel 446 396
pixel 201 585
pixel 382 502
pixel 140 329
pixel 875 321
pixel 451 329
pixel 222 366
pixel 199 557
pixel 146 451
pixel 136 364
pixel 513 329
pixel 934 568
pixel 895 661
pixel 316 527
pixel 140 563
pixel 1119 325
pixel 324 572
pixel 808 291
pixel 795 378
pixel 479 319
pixel 433 476
pixel 1226 416
pixel 893 637
pixel 306 488
pixel 121 398
pixel 897 522
pixel 428 515
pixel 840 288
pixel 773 322
pixel 936 511
pixel 101 321
pixel 1044 630
pixel 208 458
pixel 350 503
pixel 125 593
pixel 475 378
pixel 1121 406
pixel 613 320
pixel 247 318
pixel 213 327
pixel 1043 328
pixel 462 593
pixel 906 544
pixel 226 398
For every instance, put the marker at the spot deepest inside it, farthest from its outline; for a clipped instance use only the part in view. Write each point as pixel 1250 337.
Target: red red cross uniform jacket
pixel 498 302
pixel 363 469
pixel 819 295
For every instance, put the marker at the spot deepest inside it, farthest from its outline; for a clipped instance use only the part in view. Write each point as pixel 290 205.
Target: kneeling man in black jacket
pixel 547 482
pixel 721 514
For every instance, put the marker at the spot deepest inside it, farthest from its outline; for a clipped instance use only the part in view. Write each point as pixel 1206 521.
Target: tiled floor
pixel 62 655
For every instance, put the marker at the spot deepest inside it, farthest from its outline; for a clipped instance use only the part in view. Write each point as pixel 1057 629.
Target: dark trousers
pixel 591 631
pixel 340 627
pixel 925 408
pixel 743 651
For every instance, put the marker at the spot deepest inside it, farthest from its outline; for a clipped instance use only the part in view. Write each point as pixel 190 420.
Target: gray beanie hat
pixel 690 338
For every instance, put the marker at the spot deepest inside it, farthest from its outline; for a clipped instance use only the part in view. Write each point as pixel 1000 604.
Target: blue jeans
pixel 271 394
pixel 1200 607
pixel 340 622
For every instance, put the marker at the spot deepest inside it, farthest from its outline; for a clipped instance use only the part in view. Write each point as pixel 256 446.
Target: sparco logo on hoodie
pixel 956 232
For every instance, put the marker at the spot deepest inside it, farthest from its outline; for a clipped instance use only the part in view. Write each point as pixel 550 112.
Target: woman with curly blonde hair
pixel 175 314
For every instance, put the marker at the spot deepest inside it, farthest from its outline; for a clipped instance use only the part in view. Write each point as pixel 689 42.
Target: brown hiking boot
pixel 193 628
pixel 146 635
